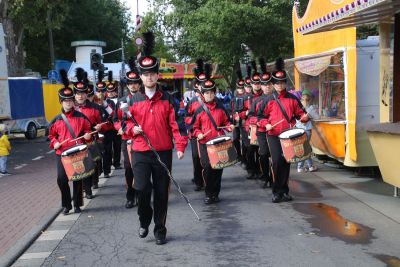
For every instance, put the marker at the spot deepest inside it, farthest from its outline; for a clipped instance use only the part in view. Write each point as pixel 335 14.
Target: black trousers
pixel 62 181
pixel 263 150
pixel 130 191
pixel 150 177
pixel 112 150
pixel 197 168
pixel 212 177
pixel 245 143
pixel 237 143
pixel 280 167
pixel 253 159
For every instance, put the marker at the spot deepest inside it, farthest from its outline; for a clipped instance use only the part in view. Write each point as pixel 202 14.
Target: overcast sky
pixel 132 4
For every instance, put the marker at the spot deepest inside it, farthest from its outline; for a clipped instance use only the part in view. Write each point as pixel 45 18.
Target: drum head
pixel 292 133
pixel 73 150
pixel 218 140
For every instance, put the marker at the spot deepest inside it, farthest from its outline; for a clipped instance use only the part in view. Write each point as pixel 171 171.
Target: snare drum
pixel 253 135
pixel 221 152
pixel 295 145
pixel 77 162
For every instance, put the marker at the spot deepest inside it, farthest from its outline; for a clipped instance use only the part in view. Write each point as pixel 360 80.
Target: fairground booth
pixel 355 83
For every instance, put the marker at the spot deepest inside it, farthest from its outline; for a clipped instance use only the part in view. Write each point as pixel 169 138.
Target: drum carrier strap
pixel 208 113
pixel 282 109
pixel 68 125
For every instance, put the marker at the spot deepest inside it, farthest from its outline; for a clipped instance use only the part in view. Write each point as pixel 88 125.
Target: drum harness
pixel 124 108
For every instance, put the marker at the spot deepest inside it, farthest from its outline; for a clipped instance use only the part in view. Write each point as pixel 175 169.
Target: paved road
pixel 28 196
pixel 325 226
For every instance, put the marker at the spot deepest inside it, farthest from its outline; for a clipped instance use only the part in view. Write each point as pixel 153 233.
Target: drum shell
pixel 222 155
pixel 95 151
pixel 296 149
pixel 78 165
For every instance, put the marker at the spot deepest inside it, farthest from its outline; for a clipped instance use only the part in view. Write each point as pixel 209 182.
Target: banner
pixel 313 67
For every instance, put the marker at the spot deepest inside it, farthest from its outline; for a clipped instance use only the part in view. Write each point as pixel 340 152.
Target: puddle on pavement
pixel 329 223
pixel 304 189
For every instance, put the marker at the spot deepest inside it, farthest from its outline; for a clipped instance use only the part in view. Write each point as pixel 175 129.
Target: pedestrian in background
pixel 306 100
pixel 5 148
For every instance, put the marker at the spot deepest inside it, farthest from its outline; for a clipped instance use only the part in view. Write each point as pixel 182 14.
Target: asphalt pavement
pixel 336 219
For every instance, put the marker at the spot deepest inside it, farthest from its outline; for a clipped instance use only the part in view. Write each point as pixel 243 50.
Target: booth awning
pixel 359 12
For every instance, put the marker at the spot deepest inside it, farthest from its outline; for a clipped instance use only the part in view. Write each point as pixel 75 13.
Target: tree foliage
pixel 220 30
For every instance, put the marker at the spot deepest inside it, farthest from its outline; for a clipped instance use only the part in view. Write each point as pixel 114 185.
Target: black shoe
pixel 161 240
pixel 66 211
pixel 95 186
pixel 77 210
pixel 89 196
pixel 107 175
pixel 143 232
pixel 267 184
pixel 251 176
pixel 215 199
pixel 208 200
pixel 198 188
pixel 276 198
pixel 117 167
pixel 287 197
pixel 129 204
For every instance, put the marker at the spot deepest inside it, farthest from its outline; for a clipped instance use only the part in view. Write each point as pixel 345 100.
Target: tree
pixel 22 17
pixel 217 30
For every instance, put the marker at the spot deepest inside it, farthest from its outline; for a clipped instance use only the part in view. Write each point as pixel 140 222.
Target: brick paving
pixel 27 195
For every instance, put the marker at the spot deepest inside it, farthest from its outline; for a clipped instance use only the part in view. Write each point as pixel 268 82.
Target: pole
pixel 122 68
pixel 51 43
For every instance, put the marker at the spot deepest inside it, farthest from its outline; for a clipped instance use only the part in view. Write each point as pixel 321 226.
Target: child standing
pixel 306 99
pixel 5 148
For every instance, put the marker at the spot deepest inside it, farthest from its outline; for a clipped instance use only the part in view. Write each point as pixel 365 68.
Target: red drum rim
pixel 74 150
pixel 292 133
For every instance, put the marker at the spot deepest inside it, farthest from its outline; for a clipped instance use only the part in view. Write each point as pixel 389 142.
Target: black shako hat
pixel 279 74
pixel 255 77
pixel 65 92
pixel 147 62
pixel 100 85
pixel 239 80
pixel 132 76
pixel 80 86
pixel 247 80
pixel 208 84
pixel 265 75
pixel 90 89
pixel 111 86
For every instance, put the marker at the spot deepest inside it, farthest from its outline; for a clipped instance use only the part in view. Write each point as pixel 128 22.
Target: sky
pixel 132 4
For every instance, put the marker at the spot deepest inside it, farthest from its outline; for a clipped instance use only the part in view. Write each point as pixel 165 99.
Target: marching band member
pixel 205 129
pixel 190 109
pixel 280 114
pixel 155 118
pixel 237 106
pixel 61 140
pixel 133 84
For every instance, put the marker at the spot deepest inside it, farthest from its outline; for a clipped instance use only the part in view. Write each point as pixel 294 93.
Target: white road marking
pixel 20 166
pixel 37 158
pixel 36 255
pixel 53 235
pixel 50 152
pixel 69 217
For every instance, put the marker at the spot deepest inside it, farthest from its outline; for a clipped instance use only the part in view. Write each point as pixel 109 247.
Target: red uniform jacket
pixel 251 108
pixel 120 118
pixel 93 112
pixel 203 123
pixel 191 108
pixel 59 132
pixel 157 118
pixel 272 113
pixel 247 103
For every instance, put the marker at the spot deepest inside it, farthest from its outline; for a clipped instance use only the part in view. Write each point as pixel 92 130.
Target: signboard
pixel 52 75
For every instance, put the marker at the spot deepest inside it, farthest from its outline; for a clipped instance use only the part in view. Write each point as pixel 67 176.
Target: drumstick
pixel 277 123
pixel 76 139
pixel 204 135
pixel 223 127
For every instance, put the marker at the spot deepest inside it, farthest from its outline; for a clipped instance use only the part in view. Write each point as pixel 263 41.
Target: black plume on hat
pixel 100 76
pixel 263 65
pixel 79 74
pixel 132 64
pixel 254 66
pixel 239 74
pixel 208 84
pixel 110 76
pixel 100 85
pixel 200 65
pixel 240 81
pixel 248 70
pixel 279 64
pixel 208 70
pixel 64 78
pixel 148 43
pixel 133 74
pixel 247 80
